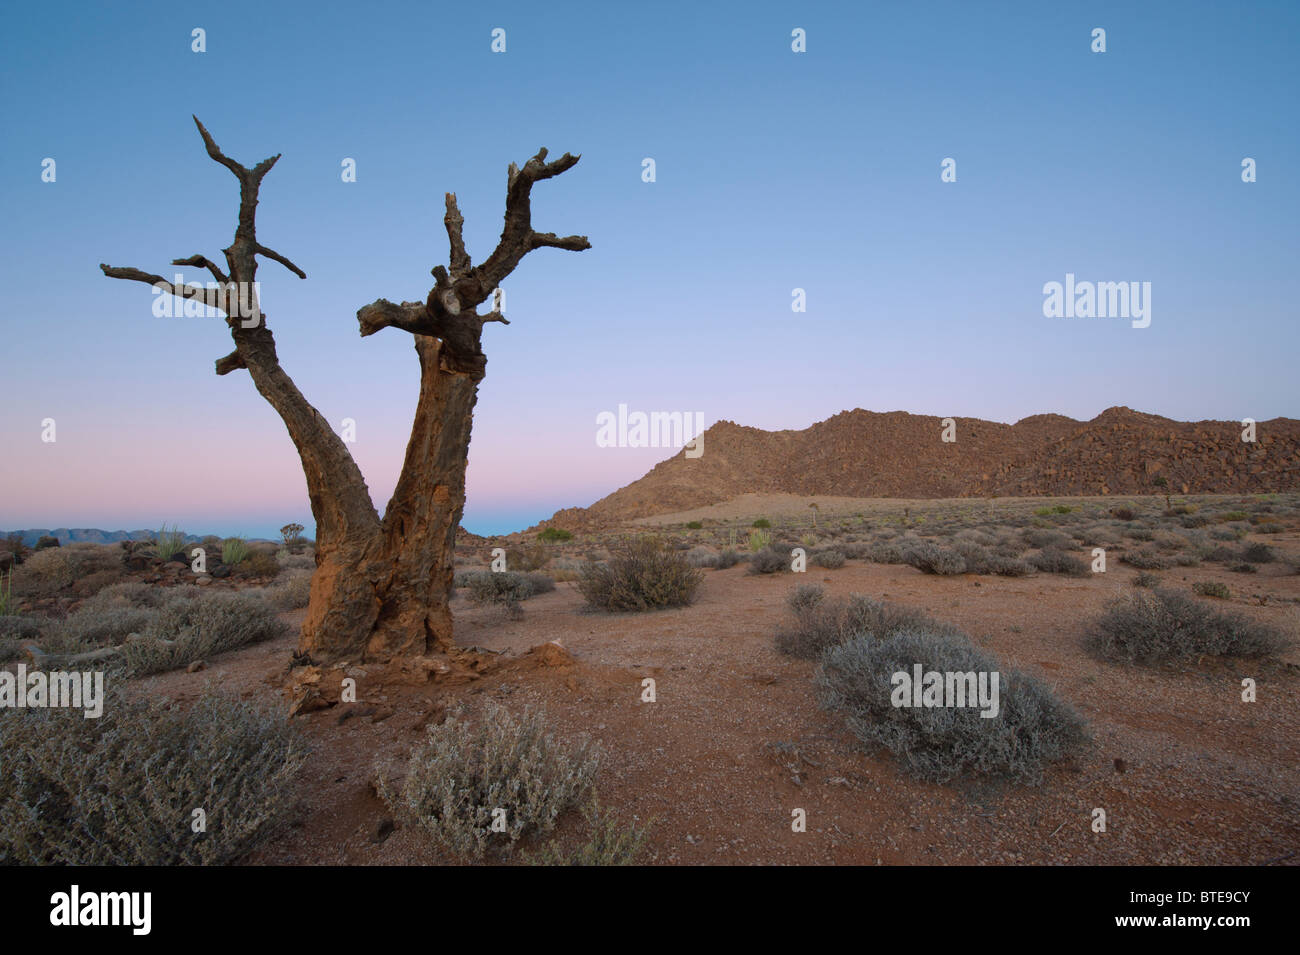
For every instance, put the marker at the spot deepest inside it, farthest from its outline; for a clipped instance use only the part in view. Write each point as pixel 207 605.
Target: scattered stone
pixel 196 666
pixel 382 830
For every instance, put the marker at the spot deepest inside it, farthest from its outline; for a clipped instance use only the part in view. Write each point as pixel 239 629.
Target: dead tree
pixel 382 585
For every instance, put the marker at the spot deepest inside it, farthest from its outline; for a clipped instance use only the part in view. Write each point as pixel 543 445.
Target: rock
pixel 204 580
pixel 221 571
pixel 46 541
pixel 196 666
pixel 307 699
pixel 382 829
pixel 7 560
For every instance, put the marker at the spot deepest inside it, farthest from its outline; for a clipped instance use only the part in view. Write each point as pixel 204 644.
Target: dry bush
pixel 121 789
pixel 503 588
pixel 728 558
pixel 832 558
pixel 702 557
pixel 1032 728
pixel 1147 560
pixel 291 561
pixel 463 771
pixel 52 569
pixel 92 628
pixel 609 842
pixel 527 558
pixel 1212 588
pixel 768 561
pixel 932 559
pixel 186 629
pixel 641 574
pixel 290 591
pixel 818 621
pixel 1165 625
pixel 1052 561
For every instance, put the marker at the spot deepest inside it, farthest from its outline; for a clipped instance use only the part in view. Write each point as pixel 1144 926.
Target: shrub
pixel 1123 513
pixel 291 534
pixel 1032 728
pixel 768 561
pixel 186 629
pixel 291 591
pixel 1272 527
pixel 831 559
pixel 728 558
pixel 1241 567
pixel 258 564
pixel 503 587
pixel 120 789
pixel 554 534
pixel 1047 539
pixel 1226 516
pixel 1258 554
pixel 1212 588
pixel 291 561
pixel 759 540
pixel 1146 560
pixel 761 523
pixel 932 559
pixel 463 771
pixel 89 629
pixel 641 574
pixel 608 842
pixel 1052 561
pixel 528 558
pixel 702 557
pixel 1146 580
pixel 1164 625
pixel 694 525
pixel 818 621
pixel 46 541
pixel 234 550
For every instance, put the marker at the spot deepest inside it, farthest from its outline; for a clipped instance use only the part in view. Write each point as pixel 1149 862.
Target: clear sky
pixel 775 170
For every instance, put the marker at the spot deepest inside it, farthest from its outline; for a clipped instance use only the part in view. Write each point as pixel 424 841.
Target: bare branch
pixel 574 243
pixel 271 254
pixel 240 170
pixel 199 261
pixel 183 291
pixel 412 317
pixel 228 364
pixel 455 222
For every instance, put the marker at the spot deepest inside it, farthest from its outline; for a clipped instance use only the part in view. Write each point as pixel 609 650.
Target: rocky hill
pixel 868 454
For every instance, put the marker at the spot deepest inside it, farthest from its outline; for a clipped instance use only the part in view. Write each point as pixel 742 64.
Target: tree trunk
pixel 385 594
pixel 382 587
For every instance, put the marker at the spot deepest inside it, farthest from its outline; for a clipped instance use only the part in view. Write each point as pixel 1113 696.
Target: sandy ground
pixel 1186 772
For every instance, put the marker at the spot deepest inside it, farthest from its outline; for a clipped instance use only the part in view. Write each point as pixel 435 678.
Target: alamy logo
pixel 951 689
pixel 59 690
pixel 658 429
pixel 102 908
pixel 237 299
pixel 1098 300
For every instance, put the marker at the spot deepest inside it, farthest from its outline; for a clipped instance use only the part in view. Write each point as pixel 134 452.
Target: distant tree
pixel 1162 482
pixel 291 533
pixel 382 585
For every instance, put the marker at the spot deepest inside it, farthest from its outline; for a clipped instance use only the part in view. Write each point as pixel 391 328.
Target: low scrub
pixel 465 775
pixel 120 790
pixel 641 574
pixel 187 629
pixel 1162 625
pixel 609 842
pixel 768 561
pixel 818 621
pixel 1030 730
pixel 503 588
pixel 932 559
pixel 1212 588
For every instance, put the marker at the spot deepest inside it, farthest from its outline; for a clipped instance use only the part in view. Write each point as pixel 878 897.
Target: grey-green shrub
pixel 1052 561
pixel 188 629
pixel 768 561
pixel 641 574
pixel 932 559
pixel 1161 625
pixel 120 789
pixel 464 770
pixel 818 621
pixel 1031 730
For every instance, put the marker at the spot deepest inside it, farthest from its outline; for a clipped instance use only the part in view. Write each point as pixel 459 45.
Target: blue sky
pixel 775 171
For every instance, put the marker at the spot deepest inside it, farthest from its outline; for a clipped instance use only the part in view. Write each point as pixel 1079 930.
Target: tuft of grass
pixel 234 550
pixel 504 769
pixel 1146 580
pixel 1163 625
pixel 168 542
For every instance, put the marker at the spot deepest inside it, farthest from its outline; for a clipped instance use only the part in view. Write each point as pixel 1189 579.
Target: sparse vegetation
pixel 818 621
pixel 1212 588
pixel 940 743
pixel 119 790
pixel 186 629
pixel 1163 625
pixel 609 842
pixel 465 770
pixel 552 535
pixel 642 574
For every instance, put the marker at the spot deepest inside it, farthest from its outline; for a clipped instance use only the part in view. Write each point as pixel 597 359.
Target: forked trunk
pixel 385 594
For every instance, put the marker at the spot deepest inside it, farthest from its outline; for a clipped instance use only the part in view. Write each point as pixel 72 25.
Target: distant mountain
pixel 93 535
pixel 869 454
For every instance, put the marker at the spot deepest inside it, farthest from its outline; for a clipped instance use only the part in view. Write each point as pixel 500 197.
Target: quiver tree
pixel 382 585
